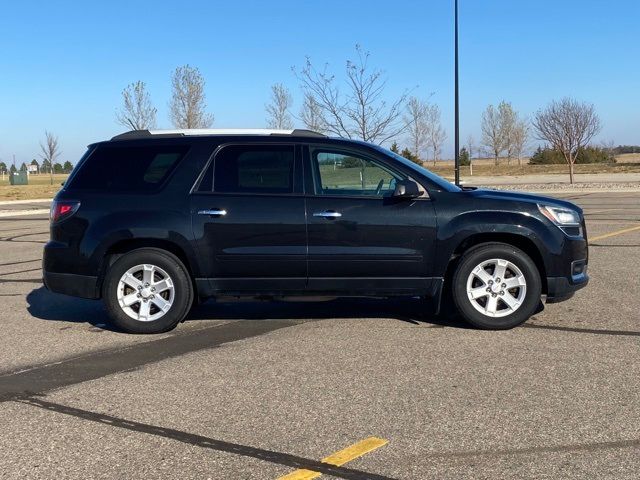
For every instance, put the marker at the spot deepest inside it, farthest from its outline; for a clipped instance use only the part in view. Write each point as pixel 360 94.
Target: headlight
pixel 560 216
pixel 566 219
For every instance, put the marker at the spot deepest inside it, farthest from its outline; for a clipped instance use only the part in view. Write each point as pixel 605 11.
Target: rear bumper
pixel 72 284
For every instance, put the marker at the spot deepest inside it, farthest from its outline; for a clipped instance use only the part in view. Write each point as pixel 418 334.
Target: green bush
pixel 465 161
pixel 351 162
pixel 548 156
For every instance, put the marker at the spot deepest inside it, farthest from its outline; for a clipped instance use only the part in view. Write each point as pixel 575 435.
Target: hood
pixel 522 197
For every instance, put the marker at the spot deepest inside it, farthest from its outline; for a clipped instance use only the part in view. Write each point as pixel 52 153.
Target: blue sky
pixel 63 65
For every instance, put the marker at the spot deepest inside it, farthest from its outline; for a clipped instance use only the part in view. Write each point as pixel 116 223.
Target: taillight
pixel 63 209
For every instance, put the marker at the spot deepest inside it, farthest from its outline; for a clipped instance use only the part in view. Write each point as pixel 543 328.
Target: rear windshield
pixel 126 168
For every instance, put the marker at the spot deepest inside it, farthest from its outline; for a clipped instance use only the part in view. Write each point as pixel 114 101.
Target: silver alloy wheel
pixel 145 292
pixel 496 288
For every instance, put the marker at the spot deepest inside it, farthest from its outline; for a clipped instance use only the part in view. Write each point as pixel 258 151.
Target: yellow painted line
pixel 339 458
pixel 613 234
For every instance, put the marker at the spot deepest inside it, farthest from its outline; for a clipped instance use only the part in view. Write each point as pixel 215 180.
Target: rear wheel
pixel 147 291
pixel 496 286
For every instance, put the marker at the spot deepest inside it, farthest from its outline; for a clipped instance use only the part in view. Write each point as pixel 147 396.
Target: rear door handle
pixel 328 214
pixel 214 212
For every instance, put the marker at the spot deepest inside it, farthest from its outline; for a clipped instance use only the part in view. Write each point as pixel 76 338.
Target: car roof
pixel 211 132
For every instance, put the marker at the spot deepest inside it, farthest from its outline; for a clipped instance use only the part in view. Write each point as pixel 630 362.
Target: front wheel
pixel 496 286
pixel 147 291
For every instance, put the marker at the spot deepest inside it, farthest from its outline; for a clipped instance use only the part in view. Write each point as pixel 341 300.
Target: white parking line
pixel 20 213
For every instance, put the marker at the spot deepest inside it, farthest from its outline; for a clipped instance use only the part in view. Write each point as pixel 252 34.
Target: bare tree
pixel 471 146
pixel 436 134
pixel 188 106
pixel 519 138
pixel 137 111
pixel 278 110
pixel 311 114
pixel 499 129
pixel 609 146
pixel 492 134
pixel 50 151
pixel 363 112
pixel 568 125
pixel 415 120
pixel 508 124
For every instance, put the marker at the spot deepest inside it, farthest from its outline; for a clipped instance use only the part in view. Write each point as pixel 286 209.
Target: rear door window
pixel 127 168
pixel 261 169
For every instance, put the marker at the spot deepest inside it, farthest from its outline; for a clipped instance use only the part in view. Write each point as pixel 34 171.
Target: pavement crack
pixel 20 262
pixel 20 271
pixel 21 280
pixel 589 447
pixel 280 458
pixel 595 331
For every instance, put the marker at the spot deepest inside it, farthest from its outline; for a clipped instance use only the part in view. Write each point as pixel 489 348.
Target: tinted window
pixel 120 169
pixel 348 174
pixel 254 169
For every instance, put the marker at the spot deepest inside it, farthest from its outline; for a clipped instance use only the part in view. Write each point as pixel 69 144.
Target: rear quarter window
pixel 127 169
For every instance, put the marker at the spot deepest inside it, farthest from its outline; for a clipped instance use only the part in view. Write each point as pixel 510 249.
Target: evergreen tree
pixel 406 153
pixel 464 157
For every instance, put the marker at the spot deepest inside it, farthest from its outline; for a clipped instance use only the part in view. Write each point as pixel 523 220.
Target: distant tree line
pixel 590 154
pixel 50 152
pixel 45 168
pixel 621 149
pixel 355 105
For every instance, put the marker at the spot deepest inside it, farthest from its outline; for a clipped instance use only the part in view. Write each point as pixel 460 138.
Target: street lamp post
pixel 457 103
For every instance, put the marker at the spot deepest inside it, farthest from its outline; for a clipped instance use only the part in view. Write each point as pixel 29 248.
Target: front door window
pixel 351 175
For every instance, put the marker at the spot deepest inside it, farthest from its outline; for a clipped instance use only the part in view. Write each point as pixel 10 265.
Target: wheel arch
pixel 519 241
pixel 121 247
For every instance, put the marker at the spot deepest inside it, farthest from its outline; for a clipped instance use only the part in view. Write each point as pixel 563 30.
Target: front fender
pixel 493 224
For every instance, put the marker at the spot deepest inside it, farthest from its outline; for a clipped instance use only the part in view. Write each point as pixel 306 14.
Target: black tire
pixel 182 290
pixel 476 257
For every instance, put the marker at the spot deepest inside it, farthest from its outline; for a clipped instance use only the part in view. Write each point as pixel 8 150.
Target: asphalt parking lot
pixel 269 390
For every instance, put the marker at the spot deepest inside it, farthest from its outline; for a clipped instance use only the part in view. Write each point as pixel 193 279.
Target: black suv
pixel 153 221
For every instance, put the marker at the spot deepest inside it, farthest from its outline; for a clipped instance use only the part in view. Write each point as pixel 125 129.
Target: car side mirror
pixel 406 189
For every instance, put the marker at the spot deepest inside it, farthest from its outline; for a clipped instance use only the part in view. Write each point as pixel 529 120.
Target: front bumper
pixel 72 284
pixel 563 288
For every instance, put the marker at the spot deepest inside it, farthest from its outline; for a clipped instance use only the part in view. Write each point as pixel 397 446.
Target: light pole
pixel 457 104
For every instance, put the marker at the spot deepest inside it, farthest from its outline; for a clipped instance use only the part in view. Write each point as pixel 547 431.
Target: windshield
pixel 438 180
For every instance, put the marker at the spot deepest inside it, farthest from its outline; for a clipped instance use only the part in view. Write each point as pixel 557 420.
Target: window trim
pixel 297 189
pixel 316 179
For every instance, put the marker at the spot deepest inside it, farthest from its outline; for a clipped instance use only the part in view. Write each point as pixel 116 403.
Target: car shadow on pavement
pixel 46 305
pixel 409 310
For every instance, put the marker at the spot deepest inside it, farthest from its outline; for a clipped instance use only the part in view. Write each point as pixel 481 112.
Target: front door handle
pixel 328 214
pixel 214 212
